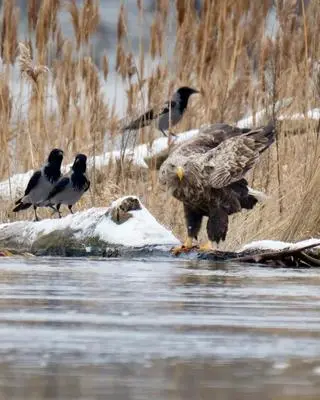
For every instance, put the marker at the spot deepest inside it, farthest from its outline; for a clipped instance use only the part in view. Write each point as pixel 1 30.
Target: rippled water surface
pixel 91 329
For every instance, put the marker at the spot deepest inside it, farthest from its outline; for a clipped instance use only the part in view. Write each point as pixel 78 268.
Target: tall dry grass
pixel 225 50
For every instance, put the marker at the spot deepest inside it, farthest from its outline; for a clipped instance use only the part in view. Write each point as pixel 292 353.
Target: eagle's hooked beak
pixel 180 173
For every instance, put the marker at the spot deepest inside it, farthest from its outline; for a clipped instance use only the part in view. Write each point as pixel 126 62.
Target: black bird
pixel 170 115
pixel 41 183
pixel 69 189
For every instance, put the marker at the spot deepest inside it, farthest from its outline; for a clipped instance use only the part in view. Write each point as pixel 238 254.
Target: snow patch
pixel 252 120
pixel 279 245
pixel 265 245
pixel 14 186
pixel 311 114
pixel 307 242
pixel 259 118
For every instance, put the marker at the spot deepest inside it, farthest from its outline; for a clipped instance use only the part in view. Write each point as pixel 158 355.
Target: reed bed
pixel 226 49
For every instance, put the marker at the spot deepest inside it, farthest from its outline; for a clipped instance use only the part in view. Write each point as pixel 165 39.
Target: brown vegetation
pixel 223 50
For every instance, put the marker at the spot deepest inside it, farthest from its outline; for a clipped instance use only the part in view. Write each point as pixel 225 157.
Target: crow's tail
pixel 21 206
pixel 18 201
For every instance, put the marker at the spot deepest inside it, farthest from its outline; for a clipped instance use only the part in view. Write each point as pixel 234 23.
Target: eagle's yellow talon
pixel 207 246
pixel 187 245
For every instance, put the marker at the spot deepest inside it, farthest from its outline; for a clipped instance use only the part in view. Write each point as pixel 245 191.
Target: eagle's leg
pixel 217 228
pixel 188 243
pixel 184 248
pixel 193 221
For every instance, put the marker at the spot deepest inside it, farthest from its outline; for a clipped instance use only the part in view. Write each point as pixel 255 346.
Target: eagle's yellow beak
pixel 180 173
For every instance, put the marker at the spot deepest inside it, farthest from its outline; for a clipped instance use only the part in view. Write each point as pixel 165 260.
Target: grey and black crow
pixel 171 113
pixel 69 189
pixel 41 183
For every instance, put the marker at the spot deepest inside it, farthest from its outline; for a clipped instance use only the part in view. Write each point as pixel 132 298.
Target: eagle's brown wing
pixel 230 161
pixel 208 138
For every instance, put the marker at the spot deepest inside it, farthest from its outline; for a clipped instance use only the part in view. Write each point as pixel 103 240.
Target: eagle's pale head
pixel 179 172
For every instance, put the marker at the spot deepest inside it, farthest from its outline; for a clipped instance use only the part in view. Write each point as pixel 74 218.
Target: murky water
pixel 91 329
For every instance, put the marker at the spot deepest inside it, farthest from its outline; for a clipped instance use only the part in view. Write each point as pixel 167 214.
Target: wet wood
pixel 298 257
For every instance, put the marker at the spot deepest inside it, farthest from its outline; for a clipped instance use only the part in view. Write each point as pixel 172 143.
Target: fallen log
pixel 297 255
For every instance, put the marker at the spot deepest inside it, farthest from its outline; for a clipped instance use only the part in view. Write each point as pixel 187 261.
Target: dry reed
pixel 223 49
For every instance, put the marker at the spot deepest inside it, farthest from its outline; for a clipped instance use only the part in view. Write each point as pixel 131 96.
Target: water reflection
pixel 80 329
pixel 170 379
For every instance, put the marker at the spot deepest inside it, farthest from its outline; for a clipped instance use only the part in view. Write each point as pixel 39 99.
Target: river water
pixel 142 329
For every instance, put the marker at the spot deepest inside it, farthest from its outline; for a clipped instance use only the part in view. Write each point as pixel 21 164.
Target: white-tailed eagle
pixel 207 174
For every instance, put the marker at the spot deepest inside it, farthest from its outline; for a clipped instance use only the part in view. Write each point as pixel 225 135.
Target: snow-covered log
pixel 275 253
pixel 124 228
pixel 278 245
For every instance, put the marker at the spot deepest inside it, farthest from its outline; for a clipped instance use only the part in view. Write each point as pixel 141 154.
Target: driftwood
pixel 298 257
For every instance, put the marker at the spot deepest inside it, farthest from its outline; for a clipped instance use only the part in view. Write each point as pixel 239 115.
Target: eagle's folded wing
pixel 209 138
pixel 229 161
pixel 223 131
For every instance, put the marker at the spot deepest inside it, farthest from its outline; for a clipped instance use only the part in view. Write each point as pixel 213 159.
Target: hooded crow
pixel 69 189
pixel 170 115
pixel 41 183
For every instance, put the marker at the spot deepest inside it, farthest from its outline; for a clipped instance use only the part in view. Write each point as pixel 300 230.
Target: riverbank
pixel 127 229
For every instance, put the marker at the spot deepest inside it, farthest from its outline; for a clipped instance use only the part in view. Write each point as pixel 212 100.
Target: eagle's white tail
pixel 260 196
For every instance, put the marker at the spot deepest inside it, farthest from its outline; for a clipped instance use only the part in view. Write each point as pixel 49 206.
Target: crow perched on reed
pixel 170 115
